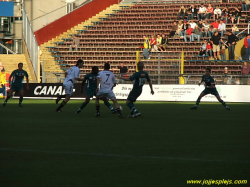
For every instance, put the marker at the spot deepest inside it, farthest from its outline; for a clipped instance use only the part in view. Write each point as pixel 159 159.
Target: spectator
pixel 209 12
pixel 245 72
pixel 196 33
pixel 201 27
pixel 123 69
pixel 147 47
pixel 192 24
pixel 231 42
pixel 215 40
pixel 75 43
pixel 179 28
pixel 245 6
pixel 153 43
pixel 1 66
pixel 182 13
pixel 201 12
pixel 207 30
pixel 215 24
pixel 235 29
pixel 236 16
pixel 222 52
pixel 153 40
pixel 209 49
pixel 158 41
pixel 226 79
pixel 247 47
pixel 224 14
pixel 174 29
pixel 203 51
pixel 184 29
pixel 222 28
pixel 192 12
pixel 188 34
pixel 217 13
pixel 247 18
pixel 164 43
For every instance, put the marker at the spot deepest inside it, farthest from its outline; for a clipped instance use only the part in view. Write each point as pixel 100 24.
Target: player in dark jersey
pixel 139 79
pixel 209 89
pixel 91 90
pixel 17 83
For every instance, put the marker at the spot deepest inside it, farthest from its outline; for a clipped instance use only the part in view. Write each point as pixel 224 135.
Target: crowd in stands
pixel 209 23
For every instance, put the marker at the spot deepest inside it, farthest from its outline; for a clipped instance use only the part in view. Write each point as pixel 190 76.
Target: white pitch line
pixel 123 156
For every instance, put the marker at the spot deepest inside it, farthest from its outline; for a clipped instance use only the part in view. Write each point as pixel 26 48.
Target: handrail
pixel 7 49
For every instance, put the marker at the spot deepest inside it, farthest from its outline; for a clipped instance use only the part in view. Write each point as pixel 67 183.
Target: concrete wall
pixel 72 19
pixel 37 10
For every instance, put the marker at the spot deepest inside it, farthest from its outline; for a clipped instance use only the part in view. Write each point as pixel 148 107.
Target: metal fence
pixel 31 42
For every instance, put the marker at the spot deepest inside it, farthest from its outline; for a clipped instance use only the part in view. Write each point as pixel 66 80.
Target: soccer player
pixel 91 90
pixel 139 79
pixel 209 89
pixel 106 79
pixel 17 83
pixel 71 76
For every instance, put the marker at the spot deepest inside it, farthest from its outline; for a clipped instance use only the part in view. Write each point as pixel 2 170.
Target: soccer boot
pixel 194 108
pixel 120 116
pixel 137 114
pixel 5 103
pixel 78 111
pixel 228 108
pixel 20 105
pixel 58 111
pixel 97 114
pixel 57 100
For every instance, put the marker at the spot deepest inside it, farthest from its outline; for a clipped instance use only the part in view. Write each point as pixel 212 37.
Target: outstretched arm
pixel 151 88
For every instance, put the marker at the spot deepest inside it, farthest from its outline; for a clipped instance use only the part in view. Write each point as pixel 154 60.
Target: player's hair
pixel 94 68
pixel 208 69
pixel 3 69
pixel 140 65
pixel 78 62
pixel 107 66
pixel 20 63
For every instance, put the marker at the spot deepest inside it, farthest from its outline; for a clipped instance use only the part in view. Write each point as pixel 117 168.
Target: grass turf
pixel 168 145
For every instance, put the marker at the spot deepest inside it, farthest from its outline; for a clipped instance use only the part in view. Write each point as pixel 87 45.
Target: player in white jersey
pixel 71 75
pixel 106 79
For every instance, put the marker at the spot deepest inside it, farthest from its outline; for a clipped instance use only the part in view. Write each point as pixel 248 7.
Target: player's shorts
pixel 216 48
pixel 2 90
pixel 108 94
pixel 91 92
pixel 16 87
pixel 133 95
pixel 210 91
pixel 68 88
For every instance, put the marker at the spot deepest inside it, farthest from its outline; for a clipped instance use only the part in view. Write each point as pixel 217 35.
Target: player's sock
pixel 198 102
pixel 118 110
pixel 223 103
pixel 83 105
pixel 6 100
pixel 108 105
pixel 131 105
pixel 61 105
pixel 20 100
pixel 97 108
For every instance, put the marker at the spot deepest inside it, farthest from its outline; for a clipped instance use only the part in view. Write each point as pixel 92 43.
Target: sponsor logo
pixel 49 90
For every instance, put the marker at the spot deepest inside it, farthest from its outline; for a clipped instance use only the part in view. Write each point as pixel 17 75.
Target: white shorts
pixel 68 88
pixel 108 94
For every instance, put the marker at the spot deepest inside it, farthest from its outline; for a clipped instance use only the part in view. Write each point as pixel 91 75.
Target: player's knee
pixel 127 102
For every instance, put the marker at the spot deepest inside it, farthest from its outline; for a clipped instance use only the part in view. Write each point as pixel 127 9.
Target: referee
pixel 123 70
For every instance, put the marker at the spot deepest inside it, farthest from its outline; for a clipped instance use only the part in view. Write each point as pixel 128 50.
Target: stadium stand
pixel 116 34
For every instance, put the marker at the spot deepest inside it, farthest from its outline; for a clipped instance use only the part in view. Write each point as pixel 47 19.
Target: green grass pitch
pixel 168 145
